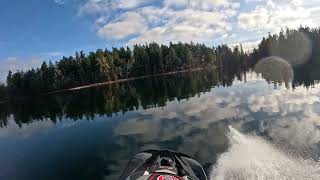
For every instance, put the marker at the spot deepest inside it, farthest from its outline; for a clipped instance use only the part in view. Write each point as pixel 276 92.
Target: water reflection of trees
pixel 115 98
pixel 129 96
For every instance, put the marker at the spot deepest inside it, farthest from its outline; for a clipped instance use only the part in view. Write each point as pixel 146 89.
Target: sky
pixel 36 30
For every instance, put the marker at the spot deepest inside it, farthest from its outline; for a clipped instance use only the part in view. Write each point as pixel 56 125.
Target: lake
pixel 92 133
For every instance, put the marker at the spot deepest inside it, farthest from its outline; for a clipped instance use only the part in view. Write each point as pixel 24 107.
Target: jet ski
pixel 163 165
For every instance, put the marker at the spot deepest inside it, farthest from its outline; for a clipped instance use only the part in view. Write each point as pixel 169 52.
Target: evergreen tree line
pixel 300 47
pixel 293 45
pixel 108 65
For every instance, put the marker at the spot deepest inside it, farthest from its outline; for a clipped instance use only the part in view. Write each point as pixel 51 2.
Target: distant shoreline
pixel 111 82
pixel 120 81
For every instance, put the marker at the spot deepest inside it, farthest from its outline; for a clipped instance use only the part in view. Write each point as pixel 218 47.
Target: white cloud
pixel 14 64
pixel 246 45
pixel 254 19
pixel 273 15
pixel 59 2
pixel 250 1
pixel 197 4
pixel 106 6
pixel 96 6
pixel 202 21
pixel 128 4
pixel 53 53
pixel 198 21
pixel 184 25
pixel 128 24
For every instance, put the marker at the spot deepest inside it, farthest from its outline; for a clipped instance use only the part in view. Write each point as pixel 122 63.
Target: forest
pixel 106 65
pixel 149 59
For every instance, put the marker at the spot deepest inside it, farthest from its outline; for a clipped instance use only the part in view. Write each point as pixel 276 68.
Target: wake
pixel 252 158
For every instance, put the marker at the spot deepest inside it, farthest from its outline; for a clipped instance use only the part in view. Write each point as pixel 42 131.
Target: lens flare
pixel 275 69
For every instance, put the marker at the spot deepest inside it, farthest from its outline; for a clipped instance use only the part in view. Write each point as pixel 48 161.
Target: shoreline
pixel 110 82
pixel 120 81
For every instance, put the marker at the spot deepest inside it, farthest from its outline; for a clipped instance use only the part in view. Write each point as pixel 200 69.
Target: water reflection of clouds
pixel 188 125
pixel 13 130
pixel 195 126
pixel 196 112
pixel 26 130
pixel 284 100
pixel 296 131
pixel 293 115
pixel 289 116
pixel 198 126
pixel 208 108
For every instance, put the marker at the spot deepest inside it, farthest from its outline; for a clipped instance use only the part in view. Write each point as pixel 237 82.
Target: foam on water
pixel 253 158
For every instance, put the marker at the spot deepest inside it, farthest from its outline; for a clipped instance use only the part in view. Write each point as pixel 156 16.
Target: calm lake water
pixel 92 133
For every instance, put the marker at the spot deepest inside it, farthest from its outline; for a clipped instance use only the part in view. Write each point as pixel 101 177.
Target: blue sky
pixel 37 30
